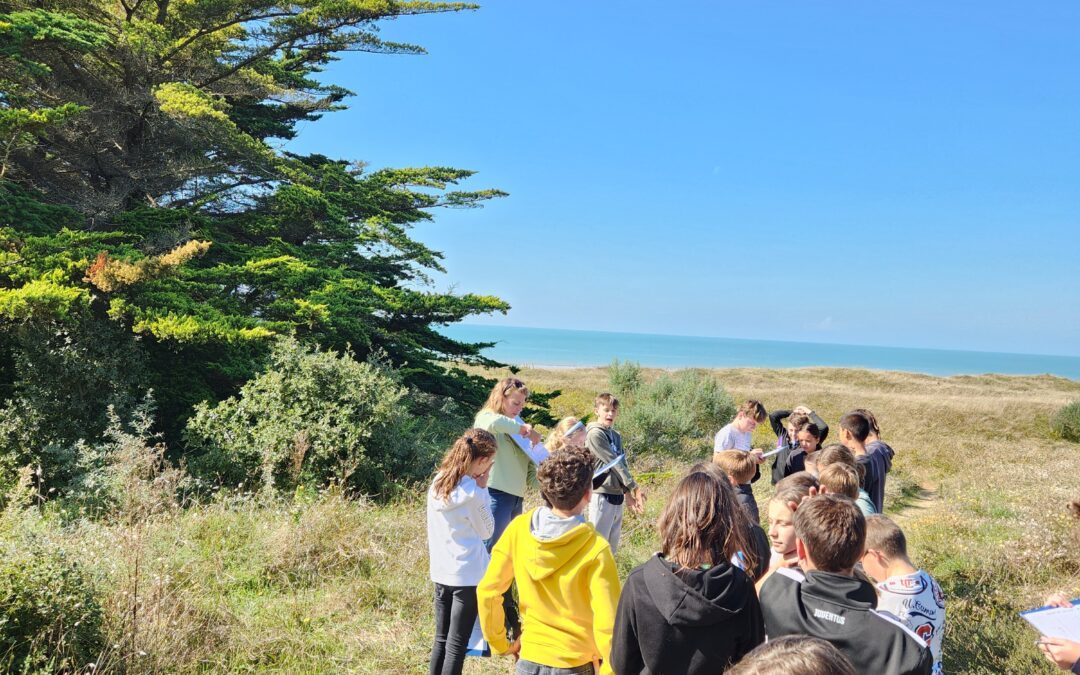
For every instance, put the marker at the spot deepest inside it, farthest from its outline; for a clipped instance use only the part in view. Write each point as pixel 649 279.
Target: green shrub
pixel 1066 422
pixel 312 418
pixel 624 378
pixel 676 413
pixel 126 478
pixel 50 619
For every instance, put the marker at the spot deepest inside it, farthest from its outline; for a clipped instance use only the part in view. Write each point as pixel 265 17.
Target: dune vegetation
pixel 317 581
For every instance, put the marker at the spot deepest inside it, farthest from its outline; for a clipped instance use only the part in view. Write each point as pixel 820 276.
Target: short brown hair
pixel 803 479
pixel 834 453
pixel 856 425
pixel 840 479
pixel 737 464
pixel 885 536
pixel 833 530
pixel 565 476
pixel 753 409
pixel 607 400
pixel 794 655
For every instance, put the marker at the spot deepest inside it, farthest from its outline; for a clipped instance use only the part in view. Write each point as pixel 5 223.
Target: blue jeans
pixel 504 508
pixel 529 668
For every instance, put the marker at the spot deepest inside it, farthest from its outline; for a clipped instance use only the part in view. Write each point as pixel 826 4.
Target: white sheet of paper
pixel 608 466
pixel 772 452
pixel 478 646
pixel 1056 621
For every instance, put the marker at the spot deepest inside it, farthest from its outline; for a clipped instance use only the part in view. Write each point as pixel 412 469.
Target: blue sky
pixel 888 173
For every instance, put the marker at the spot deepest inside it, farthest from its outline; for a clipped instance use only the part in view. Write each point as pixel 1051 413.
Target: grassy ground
pixel 324 584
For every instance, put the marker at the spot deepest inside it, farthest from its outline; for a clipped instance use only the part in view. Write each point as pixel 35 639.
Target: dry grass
pixel 320 583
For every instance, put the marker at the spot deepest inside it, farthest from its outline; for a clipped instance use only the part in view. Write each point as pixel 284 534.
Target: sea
pixel 550 347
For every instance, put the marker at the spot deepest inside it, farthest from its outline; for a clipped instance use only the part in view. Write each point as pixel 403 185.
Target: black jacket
pixel 745 495
pixel 689 621
pixel 781 467
pixel 841 610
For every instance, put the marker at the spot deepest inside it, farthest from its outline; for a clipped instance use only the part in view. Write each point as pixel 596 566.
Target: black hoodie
pixel 841 609
pixel 685 621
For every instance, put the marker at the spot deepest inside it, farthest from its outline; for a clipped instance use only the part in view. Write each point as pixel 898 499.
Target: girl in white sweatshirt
pixel 458 520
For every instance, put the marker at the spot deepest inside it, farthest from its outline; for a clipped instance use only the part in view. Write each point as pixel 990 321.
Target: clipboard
pixel 1061 622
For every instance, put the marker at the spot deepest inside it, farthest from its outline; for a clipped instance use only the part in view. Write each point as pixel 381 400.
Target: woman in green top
pixel 500 416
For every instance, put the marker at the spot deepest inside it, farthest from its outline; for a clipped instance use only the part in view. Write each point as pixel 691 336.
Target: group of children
pixel 831 587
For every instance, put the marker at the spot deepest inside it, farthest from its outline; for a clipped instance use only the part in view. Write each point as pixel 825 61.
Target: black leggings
pixel 455 615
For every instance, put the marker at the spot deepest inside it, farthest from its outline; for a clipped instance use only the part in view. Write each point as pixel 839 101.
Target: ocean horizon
pixel 557 347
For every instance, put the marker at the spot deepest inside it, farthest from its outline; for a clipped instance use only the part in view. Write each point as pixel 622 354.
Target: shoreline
pixel 673 369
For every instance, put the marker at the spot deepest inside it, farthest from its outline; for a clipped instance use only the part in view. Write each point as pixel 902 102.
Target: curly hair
pixel 566 476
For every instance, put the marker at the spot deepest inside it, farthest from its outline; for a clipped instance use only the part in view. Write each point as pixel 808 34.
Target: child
pixel 841 479
pixel 736 435
pixel 834 453
pixel 755 561
pixel 794 655
pixel 873 439
pixel 853 432
pixel 606 507
pixel 786 434
pixel 518 445
pixel 566 577
pixel 825 601
pixel 458 521
pixel 782 507
pixel 568 432
pixel 688 609
pixel 739 467
pixel 908 593
pixel 807 435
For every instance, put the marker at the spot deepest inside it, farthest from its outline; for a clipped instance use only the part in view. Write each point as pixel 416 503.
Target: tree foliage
pixel 141 186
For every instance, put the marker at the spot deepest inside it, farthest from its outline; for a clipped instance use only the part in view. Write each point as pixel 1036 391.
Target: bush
pixel 126 479
pixel 50 619
pixel 624 378
pixel 1066 422
pixel 312 418
pixel 676 413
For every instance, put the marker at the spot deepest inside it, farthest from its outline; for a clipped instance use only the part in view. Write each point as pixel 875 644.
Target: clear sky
pixel 888 173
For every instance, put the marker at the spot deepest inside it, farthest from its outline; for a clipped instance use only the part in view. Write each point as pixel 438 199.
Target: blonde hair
pixel 557 440
pixel 473 444
pixel 499 393
pixel 736 464
pixel 841 479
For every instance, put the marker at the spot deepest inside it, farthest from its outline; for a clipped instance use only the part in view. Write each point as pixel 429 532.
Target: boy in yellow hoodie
pixel 568 586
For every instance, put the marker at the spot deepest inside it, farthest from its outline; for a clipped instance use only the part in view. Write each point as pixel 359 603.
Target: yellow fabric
pixel 568 588
pixel 511 463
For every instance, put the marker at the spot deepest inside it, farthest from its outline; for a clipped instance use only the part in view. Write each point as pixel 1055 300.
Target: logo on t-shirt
pixel 909 585
pixel 829 616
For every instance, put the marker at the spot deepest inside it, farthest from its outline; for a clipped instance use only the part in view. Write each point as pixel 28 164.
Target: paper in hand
pixel 1060 622
pixel 600 475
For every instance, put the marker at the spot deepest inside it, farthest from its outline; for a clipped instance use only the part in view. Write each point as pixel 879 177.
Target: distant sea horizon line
pixel 572 347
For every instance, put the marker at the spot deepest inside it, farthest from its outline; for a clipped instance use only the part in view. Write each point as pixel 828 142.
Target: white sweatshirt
pixel 457 529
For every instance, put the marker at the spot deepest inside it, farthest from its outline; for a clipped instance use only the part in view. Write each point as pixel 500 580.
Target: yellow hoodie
pixel 568 589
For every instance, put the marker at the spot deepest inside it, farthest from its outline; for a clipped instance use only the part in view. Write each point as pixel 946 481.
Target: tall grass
pixel 317 582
